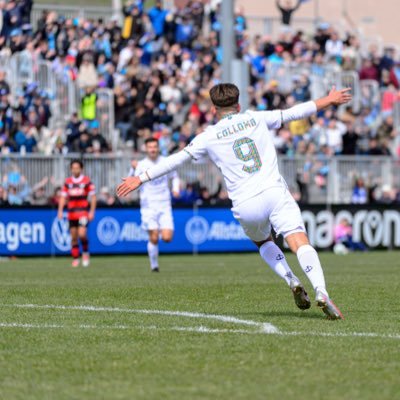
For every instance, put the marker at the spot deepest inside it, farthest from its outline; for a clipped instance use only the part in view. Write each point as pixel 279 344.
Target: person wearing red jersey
pixel 75 193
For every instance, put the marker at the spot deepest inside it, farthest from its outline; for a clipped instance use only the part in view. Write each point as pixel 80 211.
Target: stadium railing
pixel 64 94
pixel 105 111
pixel 328 181
pixel 71 11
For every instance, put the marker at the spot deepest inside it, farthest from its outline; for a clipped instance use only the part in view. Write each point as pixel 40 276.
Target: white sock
pixel 274 257
pixel 309 261
pixel 152 250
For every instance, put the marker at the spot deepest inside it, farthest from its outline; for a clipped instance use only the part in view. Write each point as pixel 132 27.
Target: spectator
pixel 208 198
pixel 397 196
pixel 350 140
pixel 18 188
pixel 389 97
pixel 388 195
pixel 73 131
pixel 87 75
pixel 97 142
pixel 360 193
pixel 287 10
pixel 334 135
pixel 344 236
pixel 157 17
pixel 105 198
pixel 369 70
pixel 376 149
pixel 4 86
pixel 3 196
pixel 123 113
pixel 394 75
pixel 188 196
pixel 273 97
pixel 26 139
pixel 334 48
pixel 184 33
pixel 55 198
pixel 301 91
pixel 39 197
pixel 89 105
pixel 302 180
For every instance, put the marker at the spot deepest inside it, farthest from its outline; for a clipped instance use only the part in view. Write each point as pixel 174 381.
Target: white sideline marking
pixel 197 329
pixel 343 334
pixel 264 327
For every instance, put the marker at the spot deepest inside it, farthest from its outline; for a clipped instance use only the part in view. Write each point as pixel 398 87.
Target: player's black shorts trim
pixel 76 223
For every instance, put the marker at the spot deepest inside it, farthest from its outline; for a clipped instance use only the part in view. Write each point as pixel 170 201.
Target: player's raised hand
pixel 128 185
pixel 339 97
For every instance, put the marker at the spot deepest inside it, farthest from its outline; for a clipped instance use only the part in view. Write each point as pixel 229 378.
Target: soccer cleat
pixel 300 295
pixel 85 259
pixel 75 263
pixel 327 305
pixel 155 269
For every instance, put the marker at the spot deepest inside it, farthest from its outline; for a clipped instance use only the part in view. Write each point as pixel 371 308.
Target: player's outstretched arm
pixel 275 119
pixel 334 98
pixel 167 165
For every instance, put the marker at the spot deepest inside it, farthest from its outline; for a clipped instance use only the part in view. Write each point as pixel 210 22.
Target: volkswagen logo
pixel 60 234
pixel 196 230
pixel 108 230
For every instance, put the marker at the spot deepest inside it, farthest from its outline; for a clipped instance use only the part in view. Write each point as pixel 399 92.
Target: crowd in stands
pixel 160 65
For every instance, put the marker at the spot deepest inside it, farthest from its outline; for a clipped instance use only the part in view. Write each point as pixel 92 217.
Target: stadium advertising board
pixel 37 231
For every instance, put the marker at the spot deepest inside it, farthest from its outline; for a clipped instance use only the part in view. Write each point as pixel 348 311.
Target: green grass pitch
pixel 106 333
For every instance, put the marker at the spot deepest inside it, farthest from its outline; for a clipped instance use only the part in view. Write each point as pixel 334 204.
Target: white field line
pixel 262 326
pixel 197 329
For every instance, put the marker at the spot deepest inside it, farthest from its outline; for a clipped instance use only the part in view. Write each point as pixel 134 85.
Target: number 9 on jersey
pixel 240 146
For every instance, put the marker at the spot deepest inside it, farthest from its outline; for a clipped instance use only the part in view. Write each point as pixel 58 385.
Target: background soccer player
pixel 155 202
pixel 75 193
pixel 242 147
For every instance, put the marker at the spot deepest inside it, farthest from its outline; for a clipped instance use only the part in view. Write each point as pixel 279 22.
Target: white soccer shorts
pixel 273 207
pixel 157 217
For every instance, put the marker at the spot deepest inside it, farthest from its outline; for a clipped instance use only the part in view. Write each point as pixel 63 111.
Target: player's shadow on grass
pixel 291 314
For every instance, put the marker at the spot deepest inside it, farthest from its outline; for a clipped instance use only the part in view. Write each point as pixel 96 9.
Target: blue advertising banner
pixel 117 231
pixel 37 231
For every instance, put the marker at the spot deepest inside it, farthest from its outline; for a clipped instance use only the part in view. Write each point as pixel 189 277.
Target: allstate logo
pixel 196 230
pixel 108 230
pixel 60 234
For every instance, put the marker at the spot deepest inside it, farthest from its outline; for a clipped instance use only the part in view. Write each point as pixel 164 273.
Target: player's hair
pixel 76 161
pixel 151 140
pixel 224 95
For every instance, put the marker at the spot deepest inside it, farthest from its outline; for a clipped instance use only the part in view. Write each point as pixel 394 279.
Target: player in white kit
pixel 155 201
pixel 241 145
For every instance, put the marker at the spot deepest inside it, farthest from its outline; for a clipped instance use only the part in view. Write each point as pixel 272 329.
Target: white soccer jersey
pixel 242 147
pixel 156 191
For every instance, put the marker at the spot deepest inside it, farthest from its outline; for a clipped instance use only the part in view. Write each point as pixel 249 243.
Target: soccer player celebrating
pixel 241 145
pixel 155 201
pixel 75 192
